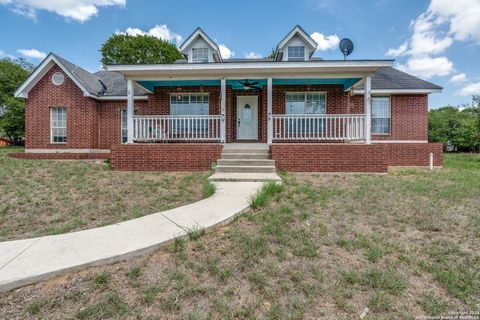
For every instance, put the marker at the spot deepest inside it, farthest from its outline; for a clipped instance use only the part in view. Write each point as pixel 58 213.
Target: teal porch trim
pixel 237 84
pixel 346 82
pixel 150 85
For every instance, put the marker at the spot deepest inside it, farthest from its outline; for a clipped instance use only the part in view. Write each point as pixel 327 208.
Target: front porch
pixel 227 111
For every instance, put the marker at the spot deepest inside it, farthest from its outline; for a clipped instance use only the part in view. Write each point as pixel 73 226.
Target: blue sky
pixel 432 39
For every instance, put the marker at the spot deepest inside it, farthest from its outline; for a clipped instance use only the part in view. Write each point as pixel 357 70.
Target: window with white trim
pixel 296 53
pixel 200 54
pixel 123 124
pixel 190 104
pixel 58 125
pixel 305 103
pixel 381 115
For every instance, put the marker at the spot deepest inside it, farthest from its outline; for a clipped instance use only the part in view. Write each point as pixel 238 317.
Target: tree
pixel 272 54
pixel 457 126
pixel 12 73
pixel 443 124
pixel 12 111
pixel 12 121
pixel 142 49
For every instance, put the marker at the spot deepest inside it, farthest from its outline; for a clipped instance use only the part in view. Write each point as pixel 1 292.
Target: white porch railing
pixel 346 127
pixel 175 128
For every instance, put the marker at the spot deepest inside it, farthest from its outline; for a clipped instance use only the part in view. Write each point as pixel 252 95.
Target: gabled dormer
pixel 199 48
pixel 296 46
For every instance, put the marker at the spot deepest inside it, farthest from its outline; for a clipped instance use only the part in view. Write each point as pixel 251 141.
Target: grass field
pixel 39 197
pixel 320 247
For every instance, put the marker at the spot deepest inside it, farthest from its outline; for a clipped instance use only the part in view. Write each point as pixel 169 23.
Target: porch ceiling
pixel 237 84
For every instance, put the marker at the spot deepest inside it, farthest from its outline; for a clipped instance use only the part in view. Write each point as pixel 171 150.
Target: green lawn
pixel 39 197
pixel 320 247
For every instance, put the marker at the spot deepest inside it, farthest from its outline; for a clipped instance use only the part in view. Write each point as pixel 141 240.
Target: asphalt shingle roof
pixel 108 83
pixel 102 83
pixel 391 78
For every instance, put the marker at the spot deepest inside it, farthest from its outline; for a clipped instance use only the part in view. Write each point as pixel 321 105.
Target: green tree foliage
pixel 458 126
pixel 12 111
pixel 272 54
pixel 144 49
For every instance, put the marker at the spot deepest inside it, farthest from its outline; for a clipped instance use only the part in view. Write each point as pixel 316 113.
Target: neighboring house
pixel 4 142
pixel 314 114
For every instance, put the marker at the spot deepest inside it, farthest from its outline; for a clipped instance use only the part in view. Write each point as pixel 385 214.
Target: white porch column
pixel 368 109
pixel 130 107
pixel 269 111
pixel 223 108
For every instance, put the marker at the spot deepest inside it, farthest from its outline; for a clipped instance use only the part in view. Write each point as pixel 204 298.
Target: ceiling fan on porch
pixel 250 85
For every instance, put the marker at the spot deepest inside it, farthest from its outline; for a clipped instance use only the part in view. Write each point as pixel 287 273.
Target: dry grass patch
pixel 323 247
pixel 40 197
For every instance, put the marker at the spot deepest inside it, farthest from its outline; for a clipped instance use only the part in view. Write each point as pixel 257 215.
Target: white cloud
pixel 426 38
pixel 78 10
pixel 458 78
pixel 159 31
pixel 32 53
pixel 325 42
pixel 253 55
pixel 461 16
pixel 225 51
pixel 392 52
pixel 433 32
pixel 2 54
pixel 471 89
pixel 427 67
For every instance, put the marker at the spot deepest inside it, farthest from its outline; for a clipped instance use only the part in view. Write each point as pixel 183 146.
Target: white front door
pixel 247 118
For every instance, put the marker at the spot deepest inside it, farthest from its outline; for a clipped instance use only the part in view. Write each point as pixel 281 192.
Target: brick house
pixel 309 114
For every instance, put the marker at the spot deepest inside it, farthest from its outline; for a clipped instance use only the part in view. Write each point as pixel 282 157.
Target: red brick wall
pixel 334 157
pixel 82 115
pixel 329 157
pixel 109 131
pixel 409 117
pixel 175 157
pixel 414 154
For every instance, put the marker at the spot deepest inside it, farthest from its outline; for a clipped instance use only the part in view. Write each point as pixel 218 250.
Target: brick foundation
pixel 329 157
pixel 414 154
pixel 174 157
pixel 334 157
pixel 60 156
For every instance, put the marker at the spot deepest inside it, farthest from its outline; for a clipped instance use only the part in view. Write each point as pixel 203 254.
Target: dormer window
pixel 296 53
pixel 200 55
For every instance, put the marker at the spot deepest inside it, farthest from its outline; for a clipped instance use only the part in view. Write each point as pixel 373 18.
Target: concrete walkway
pixel 27 261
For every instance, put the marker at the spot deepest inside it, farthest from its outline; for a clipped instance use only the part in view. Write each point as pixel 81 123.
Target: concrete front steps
pixel 245 162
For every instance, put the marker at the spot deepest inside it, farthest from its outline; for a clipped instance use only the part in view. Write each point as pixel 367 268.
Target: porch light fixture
pixel 179 96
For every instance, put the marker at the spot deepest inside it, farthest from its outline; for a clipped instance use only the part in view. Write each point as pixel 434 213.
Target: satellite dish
pixel 346 47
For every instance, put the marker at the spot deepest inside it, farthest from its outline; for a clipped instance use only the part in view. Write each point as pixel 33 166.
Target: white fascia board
pixel 40 71
pixel 243 76
pixel 110 98
pixel 363 67
pixel 400 91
